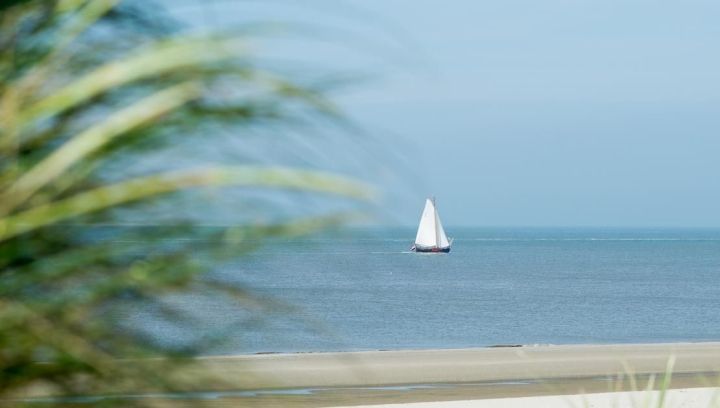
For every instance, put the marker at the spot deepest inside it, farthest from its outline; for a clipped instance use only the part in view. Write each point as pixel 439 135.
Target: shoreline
pixel 493 346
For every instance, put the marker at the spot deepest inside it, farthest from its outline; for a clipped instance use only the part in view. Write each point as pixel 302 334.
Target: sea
pixel 363 289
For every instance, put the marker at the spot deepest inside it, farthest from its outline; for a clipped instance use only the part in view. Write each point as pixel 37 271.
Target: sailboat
pixel 431 235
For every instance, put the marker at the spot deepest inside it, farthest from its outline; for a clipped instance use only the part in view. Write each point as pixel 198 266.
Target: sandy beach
pixel 534 376
pixel 372 368
pixel 685 398
pixel 416 376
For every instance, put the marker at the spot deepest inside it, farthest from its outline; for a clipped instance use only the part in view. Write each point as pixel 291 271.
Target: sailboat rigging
pixel 431 235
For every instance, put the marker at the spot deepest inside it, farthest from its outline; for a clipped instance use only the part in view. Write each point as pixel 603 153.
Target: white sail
pixel 430 232
pixel 426 234
pixel 442 239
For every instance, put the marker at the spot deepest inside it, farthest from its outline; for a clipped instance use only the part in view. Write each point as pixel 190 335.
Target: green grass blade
pixel 87 15
pixel 94 138
pixel 161 58
pixel 79 16
pixel 136 189
pixel 666 381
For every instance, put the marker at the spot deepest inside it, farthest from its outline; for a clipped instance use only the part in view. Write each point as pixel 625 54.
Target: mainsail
pixel 430 232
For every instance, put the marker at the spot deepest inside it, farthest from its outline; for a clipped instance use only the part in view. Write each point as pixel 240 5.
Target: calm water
pixel 365 290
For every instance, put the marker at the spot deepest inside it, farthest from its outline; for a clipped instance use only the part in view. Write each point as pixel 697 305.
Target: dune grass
pixel 88 84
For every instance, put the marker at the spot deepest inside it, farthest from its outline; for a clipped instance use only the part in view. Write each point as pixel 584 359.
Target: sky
pixel 526 112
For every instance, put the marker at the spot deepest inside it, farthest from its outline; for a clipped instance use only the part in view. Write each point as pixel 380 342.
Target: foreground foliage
pixel 89 87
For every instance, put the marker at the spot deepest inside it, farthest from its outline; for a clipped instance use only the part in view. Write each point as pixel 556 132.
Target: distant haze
pixel 541 113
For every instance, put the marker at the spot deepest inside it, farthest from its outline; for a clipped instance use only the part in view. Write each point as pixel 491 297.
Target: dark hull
pixel 444 250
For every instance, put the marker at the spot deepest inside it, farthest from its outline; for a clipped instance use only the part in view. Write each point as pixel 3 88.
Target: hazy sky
pixel 537 113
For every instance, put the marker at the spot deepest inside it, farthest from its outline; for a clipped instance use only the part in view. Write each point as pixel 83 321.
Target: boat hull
pixel 435 249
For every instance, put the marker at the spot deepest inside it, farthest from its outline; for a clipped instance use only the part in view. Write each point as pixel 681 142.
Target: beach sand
pixel 413 376
pixel 675 398
pixel 465 375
